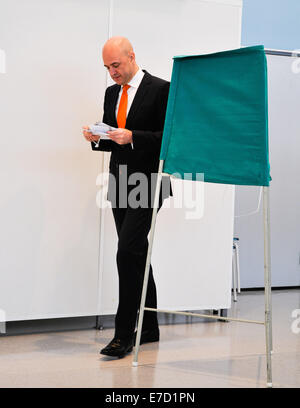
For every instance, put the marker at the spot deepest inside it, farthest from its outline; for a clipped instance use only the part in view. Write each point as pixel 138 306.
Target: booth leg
pixel 267 278
pixel 147 267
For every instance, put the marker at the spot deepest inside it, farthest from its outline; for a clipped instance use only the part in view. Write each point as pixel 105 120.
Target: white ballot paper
pixel 100 129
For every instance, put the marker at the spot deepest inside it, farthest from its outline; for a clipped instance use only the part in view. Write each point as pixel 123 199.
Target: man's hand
pixel 121 136
pixel 88 135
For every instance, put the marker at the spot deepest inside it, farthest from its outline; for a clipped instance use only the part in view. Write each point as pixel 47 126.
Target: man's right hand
pixel 88 135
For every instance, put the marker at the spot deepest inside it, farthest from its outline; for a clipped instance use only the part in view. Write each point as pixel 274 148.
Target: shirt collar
pixel 137 79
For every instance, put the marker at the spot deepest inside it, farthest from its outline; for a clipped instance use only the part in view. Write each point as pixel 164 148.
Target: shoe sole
pixel 117 355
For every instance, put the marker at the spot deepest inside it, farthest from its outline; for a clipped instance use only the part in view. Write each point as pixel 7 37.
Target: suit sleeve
pixel 104 145
pixel 151 140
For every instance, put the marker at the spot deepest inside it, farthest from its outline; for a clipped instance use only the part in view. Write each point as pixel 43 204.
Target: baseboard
pixel 273 288
pixel 16 328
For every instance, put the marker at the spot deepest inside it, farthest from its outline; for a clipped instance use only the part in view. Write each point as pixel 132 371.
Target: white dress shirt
pixel 134 84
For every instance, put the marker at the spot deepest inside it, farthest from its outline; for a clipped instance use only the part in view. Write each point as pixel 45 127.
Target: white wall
pixel 284 130
pixel 55 83
pixel 49 235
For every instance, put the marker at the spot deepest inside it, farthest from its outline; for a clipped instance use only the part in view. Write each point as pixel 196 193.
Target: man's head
pixel 119 59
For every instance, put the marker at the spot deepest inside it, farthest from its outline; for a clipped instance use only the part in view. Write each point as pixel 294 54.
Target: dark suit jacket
pixel 146 121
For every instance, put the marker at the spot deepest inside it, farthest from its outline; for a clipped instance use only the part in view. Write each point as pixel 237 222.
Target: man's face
pixel 119 65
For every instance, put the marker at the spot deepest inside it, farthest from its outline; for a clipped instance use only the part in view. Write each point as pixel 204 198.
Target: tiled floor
pixel 203 354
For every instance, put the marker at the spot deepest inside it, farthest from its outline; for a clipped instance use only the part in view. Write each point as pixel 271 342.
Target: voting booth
pixel 219 103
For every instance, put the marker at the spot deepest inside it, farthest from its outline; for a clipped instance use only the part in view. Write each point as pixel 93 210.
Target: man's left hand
pixel 121 136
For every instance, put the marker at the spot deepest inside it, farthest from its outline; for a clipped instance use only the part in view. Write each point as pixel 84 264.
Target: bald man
pixel 136 106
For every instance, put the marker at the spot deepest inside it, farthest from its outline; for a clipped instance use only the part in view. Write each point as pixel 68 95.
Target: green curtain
pixel 217 118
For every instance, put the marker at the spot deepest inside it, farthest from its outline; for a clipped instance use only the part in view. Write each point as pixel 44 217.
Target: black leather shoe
pixel 118 348
pixel 147 336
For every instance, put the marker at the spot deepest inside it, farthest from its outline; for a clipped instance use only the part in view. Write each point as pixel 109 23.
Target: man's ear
pixel 132 56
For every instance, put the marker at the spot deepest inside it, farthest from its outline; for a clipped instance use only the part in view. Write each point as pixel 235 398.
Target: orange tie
pixel 122 111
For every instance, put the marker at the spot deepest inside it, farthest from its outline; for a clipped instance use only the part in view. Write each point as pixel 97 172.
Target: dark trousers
pixel 133 226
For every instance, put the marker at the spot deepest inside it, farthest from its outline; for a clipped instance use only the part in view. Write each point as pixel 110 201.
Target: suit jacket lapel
pixel 113 102
pixel 138 99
